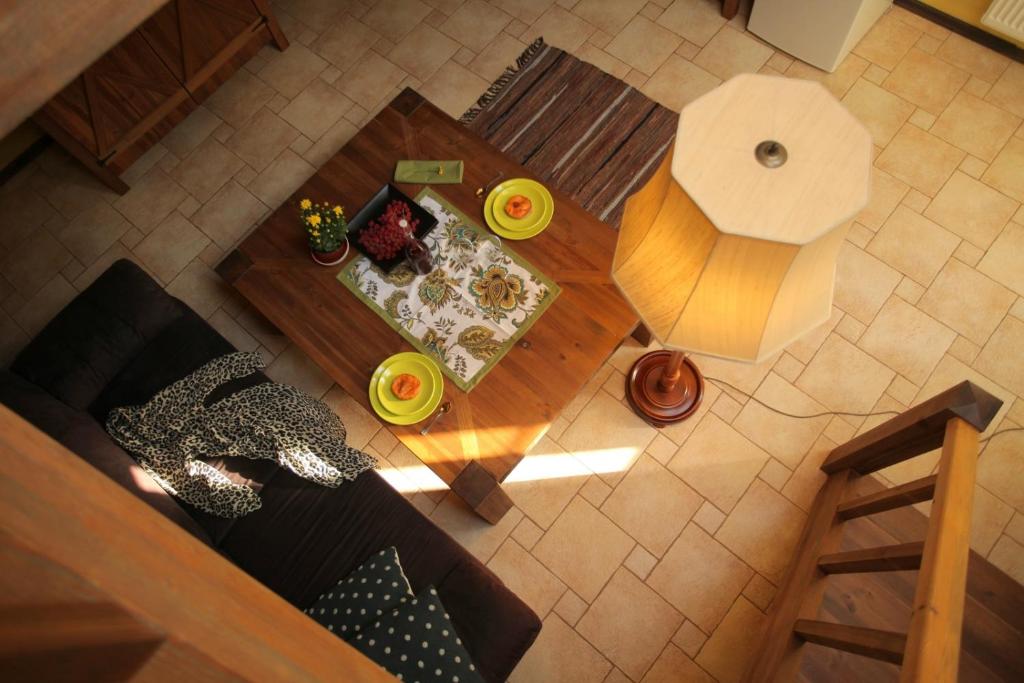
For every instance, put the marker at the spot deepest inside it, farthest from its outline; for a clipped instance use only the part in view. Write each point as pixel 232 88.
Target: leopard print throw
pixel 169 434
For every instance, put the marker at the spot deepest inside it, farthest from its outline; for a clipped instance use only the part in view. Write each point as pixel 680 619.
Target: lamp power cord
pixel 722 383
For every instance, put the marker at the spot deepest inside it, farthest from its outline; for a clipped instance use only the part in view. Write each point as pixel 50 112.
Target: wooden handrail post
pixel 933 642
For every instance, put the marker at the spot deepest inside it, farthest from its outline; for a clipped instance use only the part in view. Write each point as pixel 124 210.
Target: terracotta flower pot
pixel 330 258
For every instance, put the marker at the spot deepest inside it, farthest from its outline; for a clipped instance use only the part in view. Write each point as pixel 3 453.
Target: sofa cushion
pixel 91 340
pixel 417 642
pixel 180 348
pixel 375 587
pixel 78 432
pixel 305 538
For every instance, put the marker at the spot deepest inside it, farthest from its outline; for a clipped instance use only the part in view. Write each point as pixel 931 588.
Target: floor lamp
pixel 730 248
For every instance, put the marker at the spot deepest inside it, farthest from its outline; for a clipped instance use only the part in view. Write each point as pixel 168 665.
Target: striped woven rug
pixel 578 128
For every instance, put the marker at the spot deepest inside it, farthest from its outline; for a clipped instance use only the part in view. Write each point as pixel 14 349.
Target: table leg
pixel 642 334
pixel 482 492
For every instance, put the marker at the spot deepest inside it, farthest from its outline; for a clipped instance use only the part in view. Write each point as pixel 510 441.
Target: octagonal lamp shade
pixel 730 248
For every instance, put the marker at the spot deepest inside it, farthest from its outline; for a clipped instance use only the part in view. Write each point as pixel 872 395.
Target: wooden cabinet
pixel 139 90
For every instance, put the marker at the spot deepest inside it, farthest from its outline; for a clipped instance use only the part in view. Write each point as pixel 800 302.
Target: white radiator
pixel 1007 17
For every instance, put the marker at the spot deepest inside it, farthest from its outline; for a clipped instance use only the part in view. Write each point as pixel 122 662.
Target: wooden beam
pixel 102 544
pixel 933 640
pixel 36 628
pixel 915 431
pixel 889 499
pixel 886 558
pixel 777 654
pixel 94 641
pixel 884 645
pixel 44 45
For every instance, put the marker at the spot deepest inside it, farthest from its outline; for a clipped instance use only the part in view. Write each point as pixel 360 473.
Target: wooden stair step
pixel 886 558
pixel 889 499
pixel 884 645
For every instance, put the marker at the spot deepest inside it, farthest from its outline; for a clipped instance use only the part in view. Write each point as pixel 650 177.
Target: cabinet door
pixel 129 89
pixel 189 34
pixel 117 98
pixel 69 110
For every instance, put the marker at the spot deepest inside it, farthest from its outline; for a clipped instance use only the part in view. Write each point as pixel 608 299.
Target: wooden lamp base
pixel 664 387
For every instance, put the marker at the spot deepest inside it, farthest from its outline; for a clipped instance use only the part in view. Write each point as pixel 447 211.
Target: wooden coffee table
pixel 476 445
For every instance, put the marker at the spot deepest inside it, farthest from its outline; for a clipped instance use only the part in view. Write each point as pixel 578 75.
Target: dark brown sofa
pixel 121 341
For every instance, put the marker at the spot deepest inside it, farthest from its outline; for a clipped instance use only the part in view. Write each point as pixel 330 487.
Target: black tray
pixel 374 209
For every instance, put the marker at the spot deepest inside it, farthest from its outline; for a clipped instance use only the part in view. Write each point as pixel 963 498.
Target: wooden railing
pixel 929 651
pixel 95 585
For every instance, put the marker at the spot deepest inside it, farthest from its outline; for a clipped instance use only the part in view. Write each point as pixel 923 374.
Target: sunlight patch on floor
pixel 534 467
pixel 577 464
pixel 411 479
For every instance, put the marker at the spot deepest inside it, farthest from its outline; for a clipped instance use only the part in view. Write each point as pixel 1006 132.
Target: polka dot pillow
pixel 417 643
pixel 374 588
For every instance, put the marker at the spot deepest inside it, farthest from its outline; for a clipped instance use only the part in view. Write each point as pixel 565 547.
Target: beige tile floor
pixel 651 555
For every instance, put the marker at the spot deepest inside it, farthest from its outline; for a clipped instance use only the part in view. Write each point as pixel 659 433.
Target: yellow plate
pixel 432 403
pixel 388 416
pixel 411 366
pixel 539 200
pixel 534 191
pixel 541 223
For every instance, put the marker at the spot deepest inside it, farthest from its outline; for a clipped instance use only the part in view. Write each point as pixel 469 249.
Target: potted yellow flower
pixel 326 230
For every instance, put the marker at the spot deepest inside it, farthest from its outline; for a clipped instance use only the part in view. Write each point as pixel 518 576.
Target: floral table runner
pixel 467 312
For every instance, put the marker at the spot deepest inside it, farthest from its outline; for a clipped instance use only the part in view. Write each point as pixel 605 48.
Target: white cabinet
pixel 819 32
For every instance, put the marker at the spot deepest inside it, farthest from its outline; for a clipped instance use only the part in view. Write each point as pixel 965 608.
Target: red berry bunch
pixel 384 237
